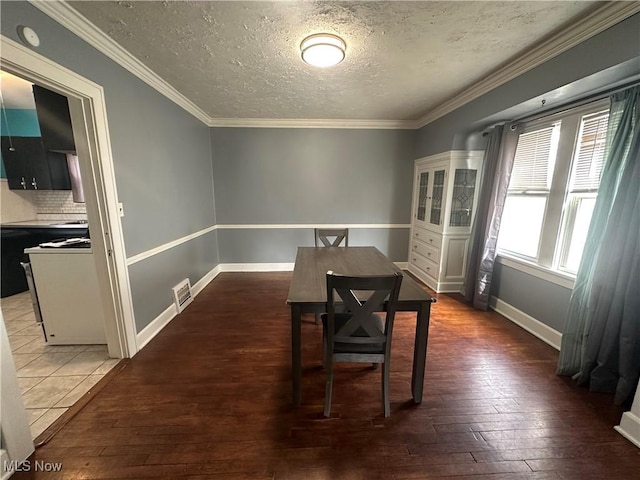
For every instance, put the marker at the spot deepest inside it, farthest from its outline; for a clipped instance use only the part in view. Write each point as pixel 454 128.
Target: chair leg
pixel 325 349
pixel 328 392
pixel 385 388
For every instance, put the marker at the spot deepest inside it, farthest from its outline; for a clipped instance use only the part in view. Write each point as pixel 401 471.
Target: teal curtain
pixel 601 337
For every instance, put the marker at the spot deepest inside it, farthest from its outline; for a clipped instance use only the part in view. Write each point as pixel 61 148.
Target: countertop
pixel 57 251
pixel 46 224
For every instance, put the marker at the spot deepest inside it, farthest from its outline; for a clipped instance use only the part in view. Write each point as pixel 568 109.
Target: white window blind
pixel 532 166
pixel 589 156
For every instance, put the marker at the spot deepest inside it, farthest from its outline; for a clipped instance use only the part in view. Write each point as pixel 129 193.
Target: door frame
pixel 91 134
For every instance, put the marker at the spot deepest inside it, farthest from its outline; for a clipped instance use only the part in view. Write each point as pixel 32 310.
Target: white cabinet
pixel 70 303
pixel 444 203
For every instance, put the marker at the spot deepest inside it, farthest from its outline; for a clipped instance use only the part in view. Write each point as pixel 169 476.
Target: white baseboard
pixel 256 267
pixel 629 428
pixel 156 325
pixel 535 327
pixel 273 267
pixel 204 281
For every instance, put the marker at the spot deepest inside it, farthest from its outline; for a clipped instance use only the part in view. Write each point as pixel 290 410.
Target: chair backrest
pixel 339 235
pixel 361 296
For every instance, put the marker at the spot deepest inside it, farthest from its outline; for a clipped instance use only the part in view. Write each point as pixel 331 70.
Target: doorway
pixel 88 118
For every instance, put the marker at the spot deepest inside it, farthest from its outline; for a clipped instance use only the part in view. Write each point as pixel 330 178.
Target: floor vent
pixel 182 294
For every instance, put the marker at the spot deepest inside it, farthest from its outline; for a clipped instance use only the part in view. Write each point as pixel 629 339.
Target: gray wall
pixel 543 300
pixel 162 160
pixel 587 67
pixel 271 176
pixel 151 281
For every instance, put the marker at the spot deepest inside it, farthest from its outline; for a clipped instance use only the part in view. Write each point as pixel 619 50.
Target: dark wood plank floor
pixel 210 398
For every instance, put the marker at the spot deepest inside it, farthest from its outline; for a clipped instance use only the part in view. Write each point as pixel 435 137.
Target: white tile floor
pixel 51 377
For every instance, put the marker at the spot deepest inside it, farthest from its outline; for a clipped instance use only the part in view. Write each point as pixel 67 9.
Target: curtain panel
pixel 498 163
pixel 601 336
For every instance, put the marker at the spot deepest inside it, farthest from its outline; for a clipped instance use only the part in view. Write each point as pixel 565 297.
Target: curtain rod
pixel 577 103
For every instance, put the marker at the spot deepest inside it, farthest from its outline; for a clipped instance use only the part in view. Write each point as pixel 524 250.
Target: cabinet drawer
pixel 427 237
pixel 424 264
pixel 425 250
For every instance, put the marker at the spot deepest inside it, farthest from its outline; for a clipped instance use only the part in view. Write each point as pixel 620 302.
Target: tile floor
pixel 51 377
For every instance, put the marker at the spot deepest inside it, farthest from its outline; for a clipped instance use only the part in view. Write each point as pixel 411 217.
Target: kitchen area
pixel 50 300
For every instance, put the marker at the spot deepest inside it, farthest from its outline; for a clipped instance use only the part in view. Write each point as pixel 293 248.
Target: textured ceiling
pixel 242 59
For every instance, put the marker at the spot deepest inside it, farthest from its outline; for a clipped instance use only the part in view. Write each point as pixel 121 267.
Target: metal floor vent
pixel 182 294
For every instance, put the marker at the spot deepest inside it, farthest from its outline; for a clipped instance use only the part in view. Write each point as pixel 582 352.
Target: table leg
pixel 296 353
pixel 420 352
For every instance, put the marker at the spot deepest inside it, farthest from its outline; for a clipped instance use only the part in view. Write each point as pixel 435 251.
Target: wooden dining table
pixel 308 294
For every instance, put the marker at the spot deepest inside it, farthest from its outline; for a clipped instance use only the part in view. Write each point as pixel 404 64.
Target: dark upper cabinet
pixel 55 120
pixel 29 167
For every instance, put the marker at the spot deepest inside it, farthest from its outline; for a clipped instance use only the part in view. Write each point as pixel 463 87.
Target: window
pixel 553 187
pixel 529 191
pixel 586 171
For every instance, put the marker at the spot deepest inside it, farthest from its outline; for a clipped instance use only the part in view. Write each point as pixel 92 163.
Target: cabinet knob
pixel 431 240
pixel 415 246
pixel 428 254
pixel 416 234
pixel 34 184
pixel 23 183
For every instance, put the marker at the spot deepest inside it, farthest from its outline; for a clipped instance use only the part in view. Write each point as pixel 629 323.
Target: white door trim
pixel 16 436
pixel 91 133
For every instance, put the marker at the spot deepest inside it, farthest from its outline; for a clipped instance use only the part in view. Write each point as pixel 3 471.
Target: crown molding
pixel 596 22
pixel 312 123
pixel 78 24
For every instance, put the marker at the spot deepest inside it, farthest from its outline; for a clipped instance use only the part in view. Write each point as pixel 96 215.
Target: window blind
pixel 532 161
pixel 589 157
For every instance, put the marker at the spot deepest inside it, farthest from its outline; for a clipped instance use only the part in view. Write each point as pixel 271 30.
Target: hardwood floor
pixel 210 398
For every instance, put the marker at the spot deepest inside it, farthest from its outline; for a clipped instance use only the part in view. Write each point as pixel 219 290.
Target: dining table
pixel 308 294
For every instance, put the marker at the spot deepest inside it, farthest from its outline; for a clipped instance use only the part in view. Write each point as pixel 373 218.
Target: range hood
pixel 73 164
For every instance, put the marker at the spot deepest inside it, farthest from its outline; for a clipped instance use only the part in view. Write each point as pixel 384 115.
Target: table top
pixel 309 284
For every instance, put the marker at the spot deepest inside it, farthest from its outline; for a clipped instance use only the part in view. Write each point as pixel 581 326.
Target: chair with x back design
pixel 356 333
pixel 324 235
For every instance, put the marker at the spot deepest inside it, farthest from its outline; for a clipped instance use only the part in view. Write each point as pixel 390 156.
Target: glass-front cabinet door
pixel 437 197
pixel 462 197
pixel 430 196
pixel 423 184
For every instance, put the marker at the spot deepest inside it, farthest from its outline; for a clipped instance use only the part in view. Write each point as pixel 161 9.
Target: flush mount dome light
pixel 323 50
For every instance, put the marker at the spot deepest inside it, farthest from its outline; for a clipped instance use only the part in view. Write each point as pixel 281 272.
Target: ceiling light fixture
pixel 323 50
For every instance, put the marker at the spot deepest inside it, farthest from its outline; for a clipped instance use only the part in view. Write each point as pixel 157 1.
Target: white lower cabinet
pixel 70 303
pixel 440 264
pixel 444 204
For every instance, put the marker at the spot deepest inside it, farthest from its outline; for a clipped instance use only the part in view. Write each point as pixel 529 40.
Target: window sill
pixel 559 278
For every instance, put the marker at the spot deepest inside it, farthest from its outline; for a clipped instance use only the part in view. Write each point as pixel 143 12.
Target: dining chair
pixel 330 237
pixel 354 332
pixel 324 236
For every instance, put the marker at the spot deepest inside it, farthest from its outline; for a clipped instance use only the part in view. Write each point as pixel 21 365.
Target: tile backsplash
pixel 57 204
pixel 23 205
